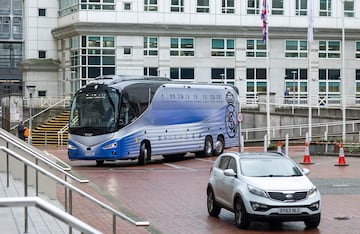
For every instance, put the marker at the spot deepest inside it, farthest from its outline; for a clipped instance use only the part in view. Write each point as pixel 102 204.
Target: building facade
pixel 67 43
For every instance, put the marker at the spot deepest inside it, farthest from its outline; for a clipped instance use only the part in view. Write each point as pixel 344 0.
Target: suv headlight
pixel 256 191
pixel 312 191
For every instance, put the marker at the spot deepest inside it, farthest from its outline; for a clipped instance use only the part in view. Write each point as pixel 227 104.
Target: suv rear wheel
pixel 241 216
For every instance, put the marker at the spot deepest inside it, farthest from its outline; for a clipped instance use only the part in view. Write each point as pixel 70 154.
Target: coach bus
pixel 134 117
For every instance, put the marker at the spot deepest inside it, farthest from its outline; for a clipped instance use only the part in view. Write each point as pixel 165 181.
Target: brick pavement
pixel 172 196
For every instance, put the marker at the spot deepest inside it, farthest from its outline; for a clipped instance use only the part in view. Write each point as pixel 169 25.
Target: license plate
pixel 289 210
pixel 89 153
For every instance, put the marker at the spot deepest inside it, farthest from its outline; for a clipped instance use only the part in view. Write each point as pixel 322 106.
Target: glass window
pixel 253 7
pixel 329 49
pixel 301 7
pixel 127 50
pixel 202 6
pixel 93 4
pixel 41 12
pixel 227 7
pixel 296 49
pixel 150 5
pixel 150 46
pixel 255 82
pixel 91 56
pixel 223 75
pixel 325 8
pixel 349 10
pixel 17 25
pixel 177 6
pixel 296 86
pixel 182 47
pixel 255 48
pixel 179 73
pixel 329 86
pixel 277 7
pixel 127 6
pixel 42 54
pixel 150 71
pixel 223 47
pixel 5 25
pixel 357 49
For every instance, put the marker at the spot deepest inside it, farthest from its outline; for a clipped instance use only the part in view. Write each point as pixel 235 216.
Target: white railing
pixel 50 209
pixel 68 207
pixel 299 131
pixel 46 102
pixel 60 134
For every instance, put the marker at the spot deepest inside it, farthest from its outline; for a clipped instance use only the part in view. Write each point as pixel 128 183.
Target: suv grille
pixel 288 196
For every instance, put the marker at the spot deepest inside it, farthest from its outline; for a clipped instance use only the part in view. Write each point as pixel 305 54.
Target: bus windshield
pixel 94 112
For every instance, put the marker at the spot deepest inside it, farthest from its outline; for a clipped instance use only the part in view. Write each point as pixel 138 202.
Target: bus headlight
pixel 110 146
pixel 71 147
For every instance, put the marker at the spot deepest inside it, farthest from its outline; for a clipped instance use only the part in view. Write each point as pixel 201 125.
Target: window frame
pixel 226 51
pixel 151 46
pixel 182 48
pixel 301 50
pixel 326 51
pixel 256 49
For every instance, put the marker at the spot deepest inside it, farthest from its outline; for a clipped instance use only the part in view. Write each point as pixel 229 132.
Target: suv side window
pixel 232 164
pixel 224 162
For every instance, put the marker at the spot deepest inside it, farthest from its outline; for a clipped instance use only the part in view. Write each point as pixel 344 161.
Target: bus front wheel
pixel 144 154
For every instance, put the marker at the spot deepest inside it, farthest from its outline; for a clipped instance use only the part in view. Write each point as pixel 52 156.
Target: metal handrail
pixel 50 209
pixel 43 111
pixel 69 186
pixel 61 134
pixel 25 147
pixel 247 131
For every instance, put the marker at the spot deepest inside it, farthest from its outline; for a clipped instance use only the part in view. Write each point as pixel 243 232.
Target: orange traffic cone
pixel 307 154
pixel 341 160
pixel 279 147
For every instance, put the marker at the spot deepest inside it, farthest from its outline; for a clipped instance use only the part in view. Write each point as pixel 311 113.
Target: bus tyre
pixel 219 146
pixel 144 154
pixel 208 147
pixel 99 163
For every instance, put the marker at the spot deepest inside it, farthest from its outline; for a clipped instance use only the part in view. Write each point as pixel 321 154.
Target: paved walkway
pixel 171 195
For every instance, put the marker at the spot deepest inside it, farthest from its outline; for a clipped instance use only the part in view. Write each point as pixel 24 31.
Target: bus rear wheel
pixel 208 148
pixel 219 146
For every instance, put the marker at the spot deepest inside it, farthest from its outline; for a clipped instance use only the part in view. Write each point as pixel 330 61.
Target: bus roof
pixel 124 80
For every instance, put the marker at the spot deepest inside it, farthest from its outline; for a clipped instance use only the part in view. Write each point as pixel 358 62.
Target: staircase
pixel 47 133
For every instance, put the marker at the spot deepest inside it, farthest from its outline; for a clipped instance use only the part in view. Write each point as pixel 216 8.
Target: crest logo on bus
pixel 230 116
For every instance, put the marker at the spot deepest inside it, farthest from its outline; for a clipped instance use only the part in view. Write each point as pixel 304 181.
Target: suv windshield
pixel 94 111
pixel 269 167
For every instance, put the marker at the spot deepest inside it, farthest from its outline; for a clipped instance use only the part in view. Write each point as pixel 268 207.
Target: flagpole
pixel 309 92
pixel 268 86
pixel 265 38
pixel 310 38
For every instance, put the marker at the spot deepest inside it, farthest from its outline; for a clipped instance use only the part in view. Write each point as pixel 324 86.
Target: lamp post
pixel 343 96
pixel 31 91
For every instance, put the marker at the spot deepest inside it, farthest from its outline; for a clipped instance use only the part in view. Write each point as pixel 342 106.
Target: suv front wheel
pixel 241 216
pixel 213 208
pixel 313 222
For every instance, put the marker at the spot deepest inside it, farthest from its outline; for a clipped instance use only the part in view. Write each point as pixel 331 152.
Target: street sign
pixel 240 117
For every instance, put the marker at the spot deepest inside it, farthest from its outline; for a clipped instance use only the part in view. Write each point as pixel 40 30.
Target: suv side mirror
pixel 229 172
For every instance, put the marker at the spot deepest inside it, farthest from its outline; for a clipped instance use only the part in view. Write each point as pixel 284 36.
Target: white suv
pixel 262 187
